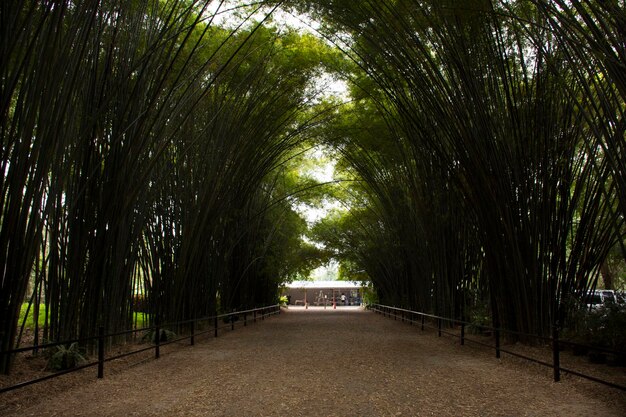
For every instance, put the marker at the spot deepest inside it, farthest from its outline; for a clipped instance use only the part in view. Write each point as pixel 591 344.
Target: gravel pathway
pixel 343 362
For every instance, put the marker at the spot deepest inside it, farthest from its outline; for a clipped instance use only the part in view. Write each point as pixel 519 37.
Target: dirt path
pixel 330 363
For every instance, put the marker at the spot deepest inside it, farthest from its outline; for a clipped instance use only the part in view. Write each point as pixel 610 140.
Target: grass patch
pixel 30 321
pixel 140 319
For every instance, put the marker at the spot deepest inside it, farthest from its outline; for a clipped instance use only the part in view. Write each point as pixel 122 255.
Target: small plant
pixel 64 357
pixel 283 300
pixel 370 296
pixel 230 318
pixel 165 335
pixel 480 320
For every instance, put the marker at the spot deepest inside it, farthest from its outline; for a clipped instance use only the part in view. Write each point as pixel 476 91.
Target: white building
pixel 324 293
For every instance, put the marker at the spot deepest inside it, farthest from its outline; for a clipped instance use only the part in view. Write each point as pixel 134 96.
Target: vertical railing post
pixel 439 326
pixel 422 322
pixel 2 354
pixel 496 329
pixel 254 315
pixel 497 334
pixel 263 313
pixel 157 335
pixel 232 322
pixel 101 352
pixel 193 332
pixel 556 360
pixel 215 324
pixel 278 309
pixel 245 319
pixel 462 334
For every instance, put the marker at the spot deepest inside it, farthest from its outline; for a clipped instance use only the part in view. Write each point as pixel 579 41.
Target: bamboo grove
pixel 489 146
pixel 146 150
pixel 142 147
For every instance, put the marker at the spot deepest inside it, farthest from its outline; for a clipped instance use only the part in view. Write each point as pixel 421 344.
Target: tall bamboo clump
pixel 135 134
pixel 491 90
pixel 592 37
pixel 86 88
pixel 204 238
pixel 407 227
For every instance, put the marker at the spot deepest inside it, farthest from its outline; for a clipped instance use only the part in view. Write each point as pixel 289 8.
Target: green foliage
pixel 370 296
pixel 141 320
pixel 165 336
pixel 466 155
pixel 351 271
pixel 146 149
pixel 156 166
pixel 30 319
pixel 479 318
pixel 66 357
pixel 603 327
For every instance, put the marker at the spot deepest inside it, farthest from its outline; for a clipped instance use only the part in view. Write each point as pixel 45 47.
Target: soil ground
pixel 316 362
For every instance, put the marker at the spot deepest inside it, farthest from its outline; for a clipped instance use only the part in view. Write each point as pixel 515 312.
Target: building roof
pixel 324 284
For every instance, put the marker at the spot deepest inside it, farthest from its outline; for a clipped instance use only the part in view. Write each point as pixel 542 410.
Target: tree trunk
pixel 607 275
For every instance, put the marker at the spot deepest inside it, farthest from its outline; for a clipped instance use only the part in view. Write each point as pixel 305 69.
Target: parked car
pixel 600 298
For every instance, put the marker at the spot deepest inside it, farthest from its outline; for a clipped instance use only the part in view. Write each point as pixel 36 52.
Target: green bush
pixel 479 318
pixel 370 296
pixel 603 327
pixel 64 357
pixel 165 336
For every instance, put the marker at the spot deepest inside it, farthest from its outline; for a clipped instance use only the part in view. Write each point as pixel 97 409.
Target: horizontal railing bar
pixel 44 378
pixel 48 345
pixel 92 338
pixel 386 310
pixel 88 365
pixel 503 330
pixel 134 352
pixel 594 379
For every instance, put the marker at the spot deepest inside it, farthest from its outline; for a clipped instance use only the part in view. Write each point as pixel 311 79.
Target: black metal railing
pixel 435 322
pixel 228 322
